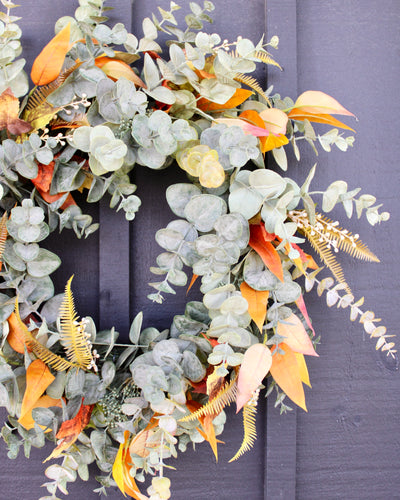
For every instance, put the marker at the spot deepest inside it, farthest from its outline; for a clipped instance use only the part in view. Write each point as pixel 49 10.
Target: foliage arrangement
pixel 238 231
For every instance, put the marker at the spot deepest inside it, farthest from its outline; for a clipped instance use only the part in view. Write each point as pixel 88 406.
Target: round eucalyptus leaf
pixel 169 239
pixel 37 288
pixel 193 369
pixel 56 388
pixel 256 275
pixel 215 298
pixel 165 350
pixel 187 230
pixel 36 215
pixel 6 306
pixel 44 264
pixel 183 324
pixel 245 201
pixel 237 337
pixel 204 210
pixel 179 195
pixel 12 258
pixel 235 304
pixel 267 182
pixel 51 308
pixel 29 232
pixel 20 215
pixel 151 158
pixel 81 138
pixel 177 277
pixel 287 292
pixel 230 226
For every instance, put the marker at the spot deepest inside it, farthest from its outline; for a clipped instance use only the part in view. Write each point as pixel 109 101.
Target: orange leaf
pixel 44 177
pixel 275 120
pixel 116 69
pixel 38 379
pixel 303 309
pixel 286 373
pixel 192 282
pixel 316 102
pixel 301 115
pixel 260 242
pixel 142 441
pixel 48 64
pixel 236 100
pixel 70 430
pixel 16 337
pixel 43 402
pixel 274 141
pixel 9 111
pixel 254 118
pixel 258 301
pixel 256 363
pixel 207 429
pixel 305 378
pixel 295 335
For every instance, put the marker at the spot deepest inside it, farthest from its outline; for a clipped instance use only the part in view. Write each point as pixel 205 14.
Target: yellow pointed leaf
pixel 295 335
pixel 48 64
pixel 256 363
pixel 118 468
pixel 314 101
pixel 43 402
pixel 286 373
pixel 305 378
pixel 258 301
pixel 38 379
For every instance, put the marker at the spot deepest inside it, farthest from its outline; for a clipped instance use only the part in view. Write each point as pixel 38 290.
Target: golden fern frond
pixel 39 350
pixel 72 335
pixel 320 245
pixel 251 82
pixel 225 397
pixel 3 236
pixel 266 58
pixel 249 426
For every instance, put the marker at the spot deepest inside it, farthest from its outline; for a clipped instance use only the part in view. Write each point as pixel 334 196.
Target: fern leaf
pixel 249 426
pixel 72 335
pixel 3 236
pixel 225 397
pixel 266 58
pixel 253 84
pixel 39 350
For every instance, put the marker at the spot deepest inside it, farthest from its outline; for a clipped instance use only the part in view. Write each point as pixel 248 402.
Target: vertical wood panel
pixel 280 473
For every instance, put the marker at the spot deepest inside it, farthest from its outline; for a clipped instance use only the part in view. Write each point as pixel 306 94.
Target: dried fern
pixel 72 335
pixel 3 236
pixel 253 84
pixel 249 426
pixel 327 238
pixel 39 350
pixel 225 397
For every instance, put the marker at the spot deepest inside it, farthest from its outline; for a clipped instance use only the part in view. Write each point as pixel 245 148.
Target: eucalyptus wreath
pixel 237 233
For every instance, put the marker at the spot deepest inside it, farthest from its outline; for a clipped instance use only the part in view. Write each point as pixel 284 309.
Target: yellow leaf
pixel 16 336
pixel 116 69
pixel 258 301
pixel 314 101
pixel 143 440
pixel 43 402
pixel 48 64
pixel 286 373
pixel 256 363
pixel 305 378
pixel 274 141
pixel 38 379
pixel 9 112
pixel 295 335
pixel 118 467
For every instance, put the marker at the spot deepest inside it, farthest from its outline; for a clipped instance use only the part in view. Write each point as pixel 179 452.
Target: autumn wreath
pixel 238 231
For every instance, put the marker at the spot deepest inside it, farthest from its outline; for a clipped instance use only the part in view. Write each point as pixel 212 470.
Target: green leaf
pixel 45 263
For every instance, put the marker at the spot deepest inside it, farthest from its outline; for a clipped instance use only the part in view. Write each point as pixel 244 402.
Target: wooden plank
pixel 280 458
pixel 114 244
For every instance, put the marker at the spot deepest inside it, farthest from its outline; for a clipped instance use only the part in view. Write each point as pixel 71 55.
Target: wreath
pixel 238 234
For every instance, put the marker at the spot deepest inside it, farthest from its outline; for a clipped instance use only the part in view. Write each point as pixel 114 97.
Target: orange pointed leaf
pixel 286 373
pixel 258 301
pixel 274 141
pixel 259 241
pixel 192 282
pixel 295 335
pixel 305 378
pixel 256 364
pixel 116 69
pixel 38 379
pixel 48 64
pixel 299 114
pixel 43 402
pixel 236 100
pixel 9 112
pixel 314 101
pixel 70 430
pixel 16 336
pixel 254 118
pixel 275 120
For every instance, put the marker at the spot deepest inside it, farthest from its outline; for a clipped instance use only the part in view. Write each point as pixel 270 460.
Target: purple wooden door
pixel 347 445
